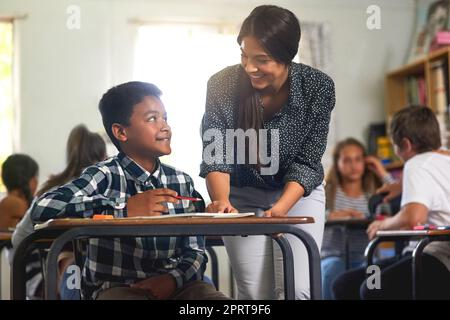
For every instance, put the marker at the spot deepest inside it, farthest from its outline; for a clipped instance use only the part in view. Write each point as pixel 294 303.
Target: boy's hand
pixel 343 214
pixel 160 287
pixel 373 228
pixel 221 206
pixel 393 190
pixel 149 203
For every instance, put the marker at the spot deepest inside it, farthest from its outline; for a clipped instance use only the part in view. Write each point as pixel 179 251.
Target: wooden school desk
pixel 63 231
pixel 345 225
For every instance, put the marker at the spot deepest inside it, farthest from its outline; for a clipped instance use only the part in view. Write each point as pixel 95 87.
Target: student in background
pixel 20 177
pixel 352 179
pixel 83 149
pixel 134 183
pixel 425 200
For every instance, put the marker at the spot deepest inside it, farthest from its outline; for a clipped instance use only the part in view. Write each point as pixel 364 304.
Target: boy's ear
pixel 119 132
pixel 406 145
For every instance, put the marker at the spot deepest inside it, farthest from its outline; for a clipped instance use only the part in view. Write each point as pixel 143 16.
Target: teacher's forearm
pixel 292 192
pixel 218 184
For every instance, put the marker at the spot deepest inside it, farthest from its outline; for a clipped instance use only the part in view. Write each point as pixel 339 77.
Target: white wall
pixel 63 72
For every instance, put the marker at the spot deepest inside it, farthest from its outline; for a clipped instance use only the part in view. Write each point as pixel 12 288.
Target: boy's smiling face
pixel 148 133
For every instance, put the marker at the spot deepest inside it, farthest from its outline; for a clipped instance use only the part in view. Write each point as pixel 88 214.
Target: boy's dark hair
pixel 419 125
pixel 17 171
pixel 116 105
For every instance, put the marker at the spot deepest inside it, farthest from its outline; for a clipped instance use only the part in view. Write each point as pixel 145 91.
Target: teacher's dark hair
pixel 278 31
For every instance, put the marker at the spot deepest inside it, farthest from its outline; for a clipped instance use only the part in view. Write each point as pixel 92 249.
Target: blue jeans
pixel 65 292
pixel 332 267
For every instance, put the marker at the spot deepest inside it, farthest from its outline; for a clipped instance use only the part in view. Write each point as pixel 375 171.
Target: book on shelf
pixel 439 86
pixel 416 90
pixel 440 83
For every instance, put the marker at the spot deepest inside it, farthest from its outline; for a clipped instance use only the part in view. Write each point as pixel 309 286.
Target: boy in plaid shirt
pixel 134 183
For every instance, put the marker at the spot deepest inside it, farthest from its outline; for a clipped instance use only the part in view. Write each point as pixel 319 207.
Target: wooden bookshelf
pixel 401 90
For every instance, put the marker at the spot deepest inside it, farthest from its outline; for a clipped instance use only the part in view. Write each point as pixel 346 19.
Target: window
pixel 6 92
pixel 179 59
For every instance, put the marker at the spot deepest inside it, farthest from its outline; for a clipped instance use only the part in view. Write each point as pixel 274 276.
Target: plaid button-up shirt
pixel 104 189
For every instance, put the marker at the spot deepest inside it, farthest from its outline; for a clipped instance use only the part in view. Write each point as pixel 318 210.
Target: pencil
pixel 188 198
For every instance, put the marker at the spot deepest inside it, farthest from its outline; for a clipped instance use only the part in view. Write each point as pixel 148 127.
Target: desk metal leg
pixel 18 270
pixel 315 278
pixel 417 272
pixel 306 238
pixel 58 244
pixel 288 267
pixel 370 249
pixel 52 265
pixel 3 245
pixel 214 266
pixel 347 247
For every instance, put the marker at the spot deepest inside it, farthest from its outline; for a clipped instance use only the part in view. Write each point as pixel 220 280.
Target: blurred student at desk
pixel 351 181
pixel 84 148
pixel 20 177
pixel 425 200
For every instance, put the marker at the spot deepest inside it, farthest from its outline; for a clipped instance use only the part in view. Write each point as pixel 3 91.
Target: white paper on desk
pixel 42 225
pixel 181 215
pixel 201 215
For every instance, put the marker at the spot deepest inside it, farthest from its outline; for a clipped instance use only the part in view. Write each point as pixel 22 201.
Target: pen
pixel 425 227
pixel 188 198
pixel 184 198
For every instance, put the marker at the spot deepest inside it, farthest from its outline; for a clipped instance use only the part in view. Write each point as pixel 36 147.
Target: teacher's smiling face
pixel 265 73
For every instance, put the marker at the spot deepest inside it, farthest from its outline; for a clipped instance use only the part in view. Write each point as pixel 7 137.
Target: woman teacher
pixel 284 110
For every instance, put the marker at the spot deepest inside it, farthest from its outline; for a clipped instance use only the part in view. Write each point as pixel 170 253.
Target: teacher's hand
pixel 276 211
pixel 221 206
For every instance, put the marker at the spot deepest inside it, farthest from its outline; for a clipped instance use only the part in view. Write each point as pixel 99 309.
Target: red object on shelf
pixel 441 39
